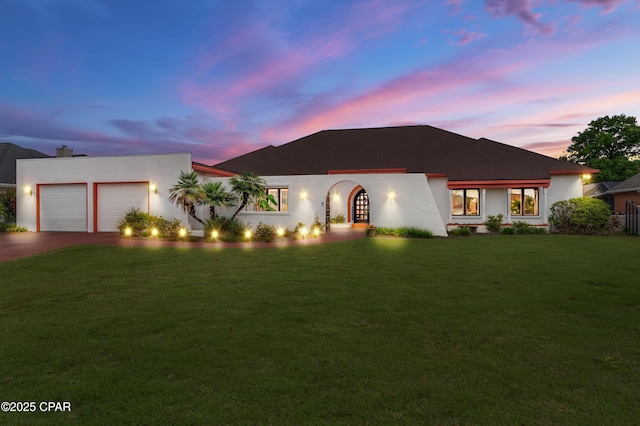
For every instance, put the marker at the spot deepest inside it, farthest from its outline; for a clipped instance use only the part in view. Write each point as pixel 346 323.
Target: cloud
pixel 196 134
pixel 523 10
pixel 256 58
pixel 606 5
pixel 553 149
pixel 467 37
pixel 456 6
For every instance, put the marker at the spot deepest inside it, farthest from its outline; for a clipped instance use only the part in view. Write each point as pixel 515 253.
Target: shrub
pixel 339 218
pixel 142 224
pixel 8 205
pixel 580 216
pixel 494 223
pixel 508 230
pixel 265 232
pixel 404 232
pixel 230 230
pixel 12 227
pixel 462 231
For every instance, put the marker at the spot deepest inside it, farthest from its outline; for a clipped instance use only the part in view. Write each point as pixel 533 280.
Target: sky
pixel 223 78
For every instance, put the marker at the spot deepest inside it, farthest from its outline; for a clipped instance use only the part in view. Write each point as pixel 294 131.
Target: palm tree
pixel 187 193
pixel 248 187
pixel 216 196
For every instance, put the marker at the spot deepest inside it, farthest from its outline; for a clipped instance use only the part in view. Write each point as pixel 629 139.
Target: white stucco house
pixel 417 176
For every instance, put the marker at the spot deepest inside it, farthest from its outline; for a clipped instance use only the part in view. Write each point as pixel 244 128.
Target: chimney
pixel 64 152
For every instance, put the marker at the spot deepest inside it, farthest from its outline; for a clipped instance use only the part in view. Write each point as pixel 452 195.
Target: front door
pixel 361 207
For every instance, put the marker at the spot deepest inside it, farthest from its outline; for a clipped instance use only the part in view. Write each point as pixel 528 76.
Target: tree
pixel 249 187
pixel 187 193
pixel 611 144
pixel 216 196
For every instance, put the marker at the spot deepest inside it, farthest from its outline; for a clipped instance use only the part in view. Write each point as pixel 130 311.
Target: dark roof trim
pixel 198 167
pixel 484 184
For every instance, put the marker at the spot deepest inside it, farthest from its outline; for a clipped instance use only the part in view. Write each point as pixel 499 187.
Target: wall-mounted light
pixel 303 195
pixel 153 188
pixel 28 190
pixel 392 195
pixel 336 196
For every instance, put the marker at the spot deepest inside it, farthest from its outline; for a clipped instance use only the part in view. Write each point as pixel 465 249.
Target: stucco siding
pixel 160 169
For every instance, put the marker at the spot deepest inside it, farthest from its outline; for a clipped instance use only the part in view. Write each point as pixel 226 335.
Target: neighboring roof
pixel 418 149
pixel 599 188
pixel 631 184
pixel 9 153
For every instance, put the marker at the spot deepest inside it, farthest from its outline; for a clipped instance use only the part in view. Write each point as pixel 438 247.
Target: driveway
pixel 15 246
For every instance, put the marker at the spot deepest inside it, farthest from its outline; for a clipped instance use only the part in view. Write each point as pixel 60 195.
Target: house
pixel 628 190
pixel 418 176
pixel 9 153
pixel 601 190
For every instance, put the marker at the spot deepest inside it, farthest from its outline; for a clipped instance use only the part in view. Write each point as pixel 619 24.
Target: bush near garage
pixel 141 224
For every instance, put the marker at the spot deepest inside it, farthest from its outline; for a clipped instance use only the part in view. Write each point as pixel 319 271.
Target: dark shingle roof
pixel 9 153
pixel 418 149
pixel 631 184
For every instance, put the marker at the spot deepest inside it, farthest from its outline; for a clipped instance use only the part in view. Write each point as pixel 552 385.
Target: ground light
pixel 303 232
pixel 154 232
pixel 127 232
pixel 280 233
pixel 214 234
pixel 182 232
pixel 316 231
pixel 247 234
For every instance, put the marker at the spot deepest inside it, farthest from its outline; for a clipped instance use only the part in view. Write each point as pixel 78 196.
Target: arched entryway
pixel 346 204
pixel 360 205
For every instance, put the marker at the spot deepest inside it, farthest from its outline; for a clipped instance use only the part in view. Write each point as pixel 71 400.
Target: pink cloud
pixel 606 5
pixel 552 149
pixel 268 60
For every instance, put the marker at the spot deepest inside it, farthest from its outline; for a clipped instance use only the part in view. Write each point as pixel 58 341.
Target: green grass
pixel 493 330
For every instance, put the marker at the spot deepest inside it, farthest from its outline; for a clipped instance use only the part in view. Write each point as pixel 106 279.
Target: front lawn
pixel 541 329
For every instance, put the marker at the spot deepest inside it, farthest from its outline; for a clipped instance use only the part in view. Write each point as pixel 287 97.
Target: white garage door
pixel 63 207
pixel 116 199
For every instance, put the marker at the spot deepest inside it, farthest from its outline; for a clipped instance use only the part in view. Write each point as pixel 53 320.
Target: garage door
pixel 63 207
pixel 116 199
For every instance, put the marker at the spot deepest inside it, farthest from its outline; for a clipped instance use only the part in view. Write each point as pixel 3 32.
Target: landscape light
pixel 316 231
pixel 214 234
pixel 280 232
pixel 154 232
pixel 127 232
pixel 183 232
pixel 303 232
pixel 247 234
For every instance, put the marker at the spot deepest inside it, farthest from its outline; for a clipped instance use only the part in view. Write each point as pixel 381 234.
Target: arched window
pixel 361 207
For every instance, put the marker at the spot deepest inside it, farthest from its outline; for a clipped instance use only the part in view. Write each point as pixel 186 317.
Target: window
pixel 524 201
pixel 282 198
pixel 465 202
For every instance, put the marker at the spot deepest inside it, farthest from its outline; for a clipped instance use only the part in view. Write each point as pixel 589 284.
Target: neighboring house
pixel 9 153
pixel 628 190
pixel 416 176
pixel 601 190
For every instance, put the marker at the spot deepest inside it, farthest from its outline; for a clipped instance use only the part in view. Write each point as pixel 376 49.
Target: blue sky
pixel 219 78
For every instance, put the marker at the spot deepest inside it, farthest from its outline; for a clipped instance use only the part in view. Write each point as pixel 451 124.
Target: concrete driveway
pixel 15 246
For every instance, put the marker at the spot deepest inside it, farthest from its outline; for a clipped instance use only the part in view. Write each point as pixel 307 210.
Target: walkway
pixel 15 246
